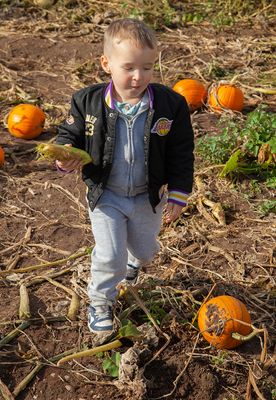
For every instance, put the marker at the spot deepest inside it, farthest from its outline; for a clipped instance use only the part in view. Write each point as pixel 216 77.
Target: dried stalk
pixel 75 303
pixel 4 391
pixel 255 387
pixel 91 352
pixel 140 303
pixel 47 264
pixel 21 242
pixel 24 325
pixel 14 333
pixel 259 89
pixel 45 320
pixel 22 385
pixel 55 274
pixel 24 307
pixel 248 390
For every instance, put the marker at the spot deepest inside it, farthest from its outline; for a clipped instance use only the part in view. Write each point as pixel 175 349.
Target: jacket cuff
pixel 179 197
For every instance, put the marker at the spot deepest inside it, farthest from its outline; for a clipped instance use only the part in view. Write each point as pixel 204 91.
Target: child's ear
pixel 105 64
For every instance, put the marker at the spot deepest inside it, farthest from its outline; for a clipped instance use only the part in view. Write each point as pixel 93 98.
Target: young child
pixel 140 138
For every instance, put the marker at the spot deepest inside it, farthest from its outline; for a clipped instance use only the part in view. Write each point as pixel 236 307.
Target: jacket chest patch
pixel 162 126
pixel 90 121
pixel 70 120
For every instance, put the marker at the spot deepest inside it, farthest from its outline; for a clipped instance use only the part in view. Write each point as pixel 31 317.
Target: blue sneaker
pixel 100 318
pixel 131 275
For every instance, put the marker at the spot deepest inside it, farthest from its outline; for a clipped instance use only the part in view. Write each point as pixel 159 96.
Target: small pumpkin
pixel 194 92
pixel 26 121
pixel 216 321
pixel 225 96
pixel 2 156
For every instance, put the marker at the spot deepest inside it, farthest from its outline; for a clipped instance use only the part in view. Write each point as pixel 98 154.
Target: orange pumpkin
pixel 2 156
pixel 194 92
pixel 215 321
pixel 26 121
pixel 226 97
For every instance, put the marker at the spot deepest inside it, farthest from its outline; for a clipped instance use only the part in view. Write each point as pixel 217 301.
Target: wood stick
pixel 24 307
pixel 14 333
pixel 4 391
pixel 47 264
pixel 22 385
pixel 75 303
pixel 46 320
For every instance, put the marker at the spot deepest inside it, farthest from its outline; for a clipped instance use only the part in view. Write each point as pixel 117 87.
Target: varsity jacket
pixel 168 140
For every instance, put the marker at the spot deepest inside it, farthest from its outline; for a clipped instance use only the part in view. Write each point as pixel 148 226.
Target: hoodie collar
pixel 110 100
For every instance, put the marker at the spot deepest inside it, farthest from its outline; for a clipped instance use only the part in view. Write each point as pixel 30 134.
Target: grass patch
pixel 247 145
pixel 267 207
pixel 158 14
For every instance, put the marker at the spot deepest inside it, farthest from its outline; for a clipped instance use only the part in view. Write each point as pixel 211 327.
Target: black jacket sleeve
pixel 179 151
pixel 73 128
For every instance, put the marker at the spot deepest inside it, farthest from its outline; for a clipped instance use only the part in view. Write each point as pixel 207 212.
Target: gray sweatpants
pixel 125 230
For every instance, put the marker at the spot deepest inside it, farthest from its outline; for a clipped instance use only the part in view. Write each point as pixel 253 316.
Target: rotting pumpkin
pixel 2 156
pixel 219 318
pixel 225 96
pixel 194 92
pixel 26 121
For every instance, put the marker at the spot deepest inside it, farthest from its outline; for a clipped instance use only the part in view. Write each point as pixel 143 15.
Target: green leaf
pixel 128 330
pixel 272 144
pixel 267 207
pixel 232 164
pixel 111 365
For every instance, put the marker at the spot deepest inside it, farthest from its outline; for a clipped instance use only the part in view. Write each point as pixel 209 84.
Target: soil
pixel 44 219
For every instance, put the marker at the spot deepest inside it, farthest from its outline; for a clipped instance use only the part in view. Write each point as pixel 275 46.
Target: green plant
pixel 155 13
pixel 267 207
pixel 219 359
pixel 214 70
pixel 192 17
pixel 248 145
pixel 217 149
pixel 252 188
pixel 259 128
pixel 127 331
pixel 227 12
pixel 157 313
pixel 271 182
pixel 111 364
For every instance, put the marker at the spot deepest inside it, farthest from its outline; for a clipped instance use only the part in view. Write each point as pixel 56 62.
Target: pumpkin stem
pixel 245 338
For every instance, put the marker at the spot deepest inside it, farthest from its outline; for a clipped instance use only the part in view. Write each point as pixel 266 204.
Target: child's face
pixel 131 69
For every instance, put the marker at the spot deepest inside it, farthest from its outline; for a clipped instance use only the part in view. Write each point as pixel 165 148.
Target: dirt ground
pixel 44 219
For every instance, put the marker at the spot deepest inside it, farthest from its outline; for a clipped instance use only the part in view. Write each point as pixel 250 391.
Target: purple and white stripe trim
pixel 178 197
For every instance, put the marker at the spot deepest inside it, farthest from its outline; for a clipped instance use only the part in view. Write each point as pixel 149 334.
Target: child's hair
pixel 132 29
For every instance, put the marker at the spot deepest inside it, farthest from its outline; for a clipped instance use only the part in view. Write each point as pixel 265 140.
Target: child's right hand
pixel 71 165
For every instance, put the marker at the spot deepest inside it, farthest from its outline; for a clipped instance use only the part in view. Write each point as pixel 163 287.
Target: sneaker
pixel 131 275
pixel 100 318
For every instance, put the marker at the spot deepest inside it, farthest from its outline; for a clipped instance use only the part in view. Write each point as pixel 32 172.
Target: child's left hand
pixel 172 212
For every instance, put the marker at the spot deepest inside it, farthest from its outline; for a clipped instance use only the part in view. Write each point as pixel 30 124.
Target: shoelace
pixel 102 312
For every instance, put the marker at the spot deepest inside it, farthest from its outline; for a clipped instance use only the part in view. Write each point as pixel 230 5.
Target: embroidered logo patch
pixel 90 121
pixel 162 126
pixel 70 120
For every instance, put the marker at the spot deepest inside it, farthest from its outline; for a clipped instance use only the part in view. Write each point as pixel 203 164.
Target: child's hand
pixel 69 166
pixel 172 212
